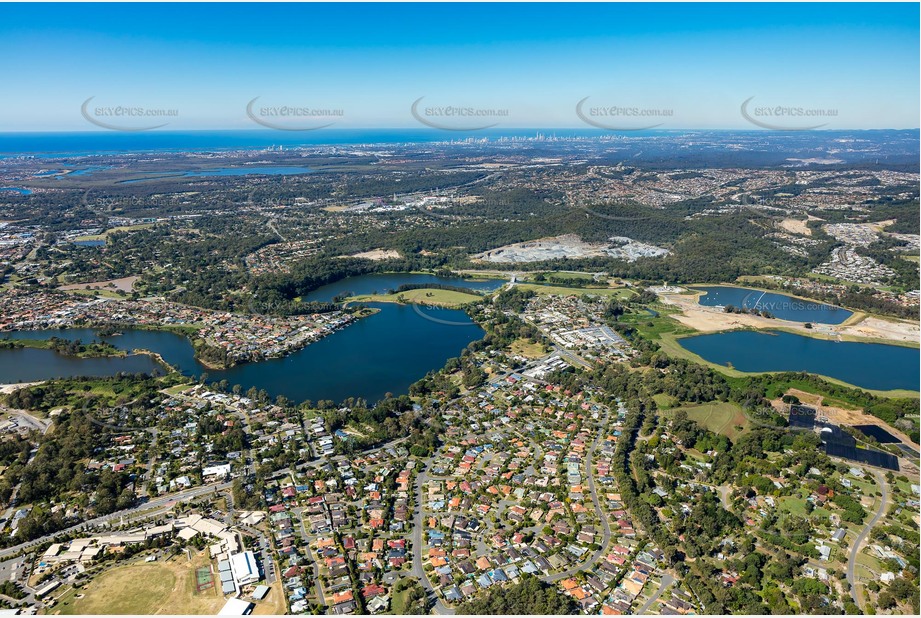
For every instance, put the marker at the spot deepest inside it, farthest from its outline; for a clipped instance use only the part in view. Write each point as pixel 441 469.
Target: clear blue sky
pixel 536 61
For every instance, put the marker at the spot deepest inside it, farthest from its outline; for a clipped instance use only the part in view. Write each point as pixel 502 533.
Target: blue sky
pixel 372 61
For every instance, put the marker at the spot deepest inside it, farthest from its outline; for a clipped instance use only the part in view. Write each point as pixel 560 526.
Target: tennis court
pixel 204 579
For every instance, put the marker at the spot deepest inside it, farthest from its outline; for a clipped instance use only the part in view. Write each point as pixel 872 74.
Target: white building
pixel 220 471
pixel 236 607
pixel 244 568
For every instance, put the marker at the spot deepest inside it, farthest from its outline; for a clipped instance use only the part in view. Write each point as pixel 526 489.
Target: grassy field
pixel 124 228
pixel 104 293
pixel 563 291
pixel 528 349
pixel 664 401
pixel 565 275
pixel 145 588
pixel 422 296
pixel 719 417
pixel 398 602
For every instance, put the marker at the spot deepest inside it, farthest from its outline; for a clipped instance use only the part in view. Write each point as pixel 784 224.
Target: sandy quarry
pixel 569 246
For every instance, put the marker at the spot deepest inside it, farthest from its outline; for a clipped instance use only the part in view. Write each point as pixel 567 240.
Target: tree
pixel 529 596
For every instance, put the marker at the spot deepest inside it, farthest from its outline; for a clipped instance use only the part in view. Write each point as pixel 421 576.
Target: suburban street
pixel 417 539
pixel 855 548
pixel 605 525
pixel 667 580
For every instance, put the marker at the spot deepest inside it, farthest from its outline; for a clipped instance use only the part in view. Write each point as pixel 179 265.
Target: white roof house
pixel 218 470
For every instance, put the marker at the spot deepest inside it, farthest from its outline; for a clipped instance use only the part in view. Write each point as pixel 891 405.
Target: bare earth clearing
pixel 796 226
pixel 125 284
pixel 377 254
pixel 841 416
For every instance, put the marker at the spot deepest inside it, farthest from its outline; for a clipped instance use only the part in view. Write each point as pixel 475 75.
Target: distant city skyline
pixel 544 66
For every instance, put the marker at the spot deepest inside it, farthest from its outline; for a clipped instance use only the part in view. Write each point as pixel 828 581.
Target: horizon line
pixel 457 131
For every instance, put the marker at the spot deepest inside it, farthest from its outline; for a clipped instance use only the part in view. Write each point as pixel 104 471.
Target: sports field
pixel 146 588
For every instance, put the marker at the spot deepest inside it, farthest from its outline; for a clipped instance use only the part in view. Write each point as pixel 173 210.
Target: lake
pixel 780 306
pixel 29 365
pixel 866 365
pixel 18 190
pixel 385 352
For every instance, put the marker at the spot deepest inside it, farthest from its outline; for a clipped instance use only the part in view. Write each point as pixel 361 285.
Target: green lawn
pixel 719 417
pixel 564 291
pixel 794 506
pixel 664 401
pixel 528 349
pixel 422 296
pixel 398 600
pixel 124 228
pixel 568 275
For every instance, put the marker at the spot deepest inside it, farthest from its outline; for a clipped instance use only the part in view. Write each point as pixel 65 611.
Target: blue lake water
pixel 18 190
pixel 780 306
pixel 89 243
pixel 29 364
pixel 867 365
pixel 385 352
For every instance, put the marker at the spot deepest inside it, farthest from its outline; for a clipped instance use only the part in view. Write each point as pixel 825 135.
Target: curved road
pixel 164 503
pixel 419 571
pixel 147 509
pixel 855 549
pixel 667 580
pixel 606 526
